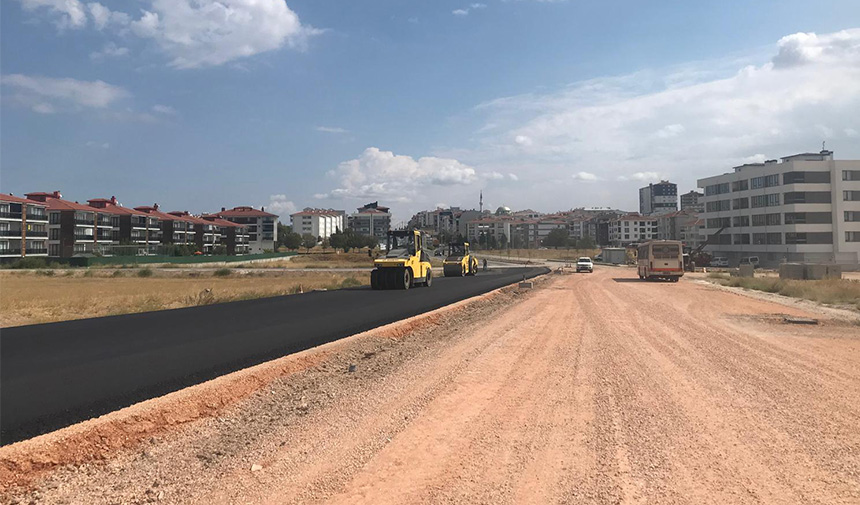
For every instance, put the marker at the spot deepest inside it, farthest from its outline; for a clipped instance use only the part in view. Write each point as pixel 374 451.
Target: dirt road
pixel 590 389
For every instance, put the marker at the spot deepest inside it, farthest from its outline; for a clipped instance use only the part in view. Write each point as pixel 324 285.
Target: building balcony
pixel 81 237
pixel 84 222
pixel 37 234
pixel 37 217
pixel 37 251
pixel 10 252
pixel 10 215
pixel 10 233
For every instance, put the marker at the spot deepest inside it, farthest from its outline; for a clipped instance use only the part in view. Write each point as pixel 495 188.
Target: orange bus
pixel 661 259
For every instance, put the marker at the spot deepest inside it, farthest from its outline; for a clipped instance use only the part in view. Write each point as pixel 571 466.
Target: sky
pixel 549 105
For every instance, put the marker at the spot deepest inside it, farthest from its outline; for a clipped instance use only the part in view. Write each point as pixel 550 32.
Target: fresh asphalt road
pixel 57 374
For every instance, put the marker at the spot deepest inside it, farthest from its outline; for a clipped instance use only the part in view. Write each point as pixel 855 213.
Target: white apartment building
pixel 804 208
pixel 320 223
pixel 632 229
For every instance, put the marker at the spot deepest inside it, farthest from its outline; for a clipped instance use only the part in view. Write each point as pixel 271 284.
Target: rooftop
pixel 54 201
pixel 17 199
pixel 245 211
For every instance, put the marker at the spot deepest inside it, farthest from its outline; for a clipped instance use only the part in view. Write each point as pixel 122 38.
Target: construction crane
pixel 697 257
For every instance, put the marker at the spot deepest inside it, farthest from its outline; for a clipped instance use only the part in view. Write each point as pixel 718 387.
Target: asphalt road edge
pixel 98 438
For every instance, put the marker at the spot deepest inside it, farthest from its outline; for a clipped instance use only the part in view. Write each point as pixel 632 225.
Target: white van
pixel 750 260
pixel 720 262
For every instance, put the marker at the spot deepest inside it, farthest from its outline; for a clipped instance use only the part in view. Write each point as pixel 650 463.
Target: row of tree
pixel 345 240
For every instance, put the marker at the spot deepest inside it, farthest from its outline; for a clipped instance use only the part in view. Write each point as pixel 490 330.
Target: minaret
pixel 481 203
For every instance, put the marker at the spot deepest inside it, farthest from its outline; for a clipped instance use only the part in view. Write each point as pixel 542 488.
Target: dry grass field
pixel 319 260
pixel 830 291
pixel 60 295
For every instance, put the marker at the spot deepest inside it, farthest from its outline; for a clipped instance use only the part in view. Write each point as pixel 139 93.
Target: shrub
pixel 88 273
pixel 145 272
pixel 118 273
pixel 48 273
pixel 29 263
pixel 350 282
pixel 223 272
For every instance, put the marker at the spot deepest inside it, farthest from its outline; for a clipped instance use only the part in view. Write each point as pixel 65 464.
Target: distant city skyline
pixel 286 105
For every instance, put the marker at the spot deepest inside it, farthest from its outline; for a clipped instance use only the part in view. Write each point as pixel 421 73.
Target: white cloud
pixel 102 16
pixel 280 205
pixel 109 50
pixel 197 33
pixel 584 176
pixel 523 140
pixel 684 122
pixel 805 48
pixel 164 109
pixel 385 175
pixel 851 132
pixel 100 145
pixel 478 6
pixel 66 13
pixel 460 12
pixel 331 129
pixel 755 158
pixel 513 177
pixel 47 94
pixel 643 177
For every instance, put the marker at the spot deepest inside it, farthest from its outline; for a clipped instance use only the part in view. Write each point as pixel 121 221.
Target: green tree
pixel 557 238
pixel 308 241
pixel 586 242
pixel 492 243
pixel 503 241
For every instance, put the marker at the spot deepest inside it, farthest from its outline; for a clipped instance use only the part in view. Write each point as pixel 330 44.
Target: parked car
pixel 584 264
pixel 720 262
pixel 750 260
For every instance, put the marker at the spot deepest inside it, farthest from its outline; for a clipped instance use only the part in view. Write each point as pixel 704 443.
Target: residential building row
pixel 800 208
pixel 371 219
pixel 46 224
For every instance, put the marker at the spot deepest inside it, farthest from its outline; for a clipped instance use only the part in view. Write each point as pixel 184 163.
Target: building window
pixel 765 200
pixel 806 177
pixel 759 238
pixel 852 236
pixel 774 238
pixel 851 196
pixel 741 185
pixel 851 175
pixel 717 189
pixel 740 238
pixel 773 220
pixel 809 238
pixel 852 216
pixel 739 221
pixel 740 203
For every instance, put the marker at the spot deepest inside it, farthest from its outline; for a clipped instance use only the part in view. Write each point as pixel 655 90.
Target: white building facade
pixel 632 229
pixel 804 208
pixel 320 223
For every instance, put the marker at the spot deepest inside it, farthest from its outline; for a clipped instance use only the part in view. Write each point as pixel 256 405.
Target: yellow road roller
pixel 460 260
pixel 405 264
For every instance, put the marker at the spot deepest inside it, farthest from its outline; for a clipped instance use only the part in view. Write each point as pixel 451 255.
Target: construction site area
pixel 577 388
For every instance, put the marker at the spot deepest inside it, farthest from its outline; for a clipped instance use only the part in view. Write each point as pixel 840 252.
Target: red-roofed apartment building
pixel 129 227
pixel 175 229
pixel 262 226
pixel 23 227
pixel 71 226
pixel 233 236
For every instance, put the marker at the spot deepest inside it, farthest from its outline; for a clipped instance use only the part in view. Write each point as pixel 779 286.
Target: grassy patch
pixel 223 272
pixel 144 272
pixel 30 298
pixel 828 291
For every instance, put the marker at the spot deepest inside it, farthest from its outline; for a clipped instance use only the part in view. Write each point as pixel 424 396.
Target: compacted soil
pixel 590 388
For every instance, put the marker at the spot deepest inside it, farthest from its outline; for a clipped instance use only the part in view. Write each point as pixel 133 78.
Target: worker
pixel 485 264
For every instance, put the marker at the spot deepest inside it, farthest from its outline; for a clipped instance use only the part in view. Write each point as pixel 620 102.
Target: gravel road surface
pixel 592 388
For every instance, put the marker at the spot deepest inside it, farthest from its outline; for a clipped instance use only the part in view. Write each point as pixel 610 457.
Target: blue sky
pixel 548 105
